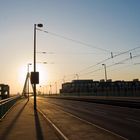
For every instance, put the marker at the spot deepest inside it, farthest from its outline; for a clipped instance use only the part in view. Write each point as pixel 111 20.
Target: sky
pixel 81 36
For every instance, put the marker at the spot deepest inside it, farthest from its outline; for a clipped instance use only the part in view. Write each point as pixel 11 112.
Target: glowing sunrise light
pixel 43 74
pixel 22 72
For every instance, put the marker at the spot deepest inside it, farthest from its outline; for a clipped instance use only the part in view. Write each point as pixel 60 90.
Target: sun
pixel 22 72
pixel 43 74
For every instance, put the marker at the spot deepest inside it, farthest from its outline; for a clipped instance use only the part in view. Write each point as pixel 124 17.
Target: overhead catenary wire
pixel 125 60
pixel 96 70
pixel 120 62
pixel 112 56
pixel 101 49
pixel 76 41
pixel 86 44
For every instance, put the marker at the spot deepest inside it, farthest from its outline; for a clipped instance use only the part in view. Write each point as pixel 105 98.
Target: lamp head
pixel 29 63
pixel 40 25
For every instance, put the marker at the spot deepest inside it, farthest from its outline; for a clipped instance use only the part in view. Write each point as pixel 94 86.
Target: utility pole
pixel 105 71
pixel 28 74
pixel 35 74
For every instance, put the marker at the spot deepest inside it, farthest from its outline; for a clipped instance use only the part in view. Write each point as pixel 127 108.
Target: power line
pixel 126 51
pixel 120 62
pixel 91 72
pixel 89 45
pixel 76 41
pixel 105 50
pixel 112 56
pixel 95 65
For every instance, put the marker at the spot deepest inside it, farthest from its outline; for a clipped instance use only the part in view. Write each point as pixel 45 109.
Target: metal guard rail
pixel 6 104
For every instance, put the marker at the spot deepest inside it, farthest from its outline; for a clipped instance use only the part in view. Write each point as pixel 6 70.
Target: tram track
pixel 58 108
pixel 59 133
pixel 57 130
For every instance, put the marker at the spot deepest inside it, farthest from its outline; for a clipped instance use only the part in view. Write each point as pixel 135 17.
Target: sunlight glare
pixel 22 72
pixel 43 74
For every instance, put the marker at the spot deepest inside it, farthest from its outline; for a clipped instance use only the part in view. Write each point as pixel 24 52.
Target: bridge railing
pixel 6 104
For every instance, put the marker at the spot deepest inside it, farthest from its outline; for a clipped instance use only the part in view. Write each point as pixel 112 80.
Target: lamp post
pixel 77 76
pixel 35 25
pixel 105 71
pixel 28 77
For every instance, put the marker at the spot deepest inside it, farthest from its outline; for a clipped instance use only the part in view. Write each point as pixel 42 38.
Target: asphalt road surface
pixel 122 121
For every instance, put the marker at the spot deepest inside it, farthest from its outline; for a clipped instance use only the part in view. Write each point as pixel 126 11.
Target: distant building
pixel 101 88
pixel 4 91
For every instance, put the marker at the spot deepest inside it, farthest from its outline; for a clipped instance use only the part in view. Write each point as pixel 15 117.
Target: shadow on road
pixel 38 126
pixel 12 124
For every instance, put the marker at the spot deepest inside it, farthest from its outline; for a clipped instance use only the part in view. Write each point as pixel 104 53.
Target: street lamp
pixel 42 62
pixel 105 71
pixel 34 83
pixel 28 77
pixel 41 52
pixel 77 76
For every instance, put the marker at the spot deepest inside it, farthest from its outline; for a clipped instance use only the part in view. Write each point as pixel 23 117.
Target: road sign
pixel 34 77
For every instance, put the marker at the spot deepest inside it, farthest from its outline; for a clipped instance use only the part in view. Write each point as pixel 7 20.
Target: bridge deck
pixel 23 123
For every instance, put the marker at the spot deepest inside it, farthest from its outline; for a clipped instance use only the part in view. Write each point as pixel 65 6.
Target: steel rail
pixel 56 129
pixel 58 107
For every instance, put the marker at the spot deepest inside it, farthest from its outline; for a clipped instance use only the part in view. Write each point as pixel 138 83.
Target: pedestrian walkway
pixel 23 123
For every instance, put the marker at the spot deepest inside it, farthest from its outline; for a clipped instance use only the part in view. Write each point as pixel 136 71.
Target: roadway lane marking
pixel 53 125
pixel 96 125
pixel 91 123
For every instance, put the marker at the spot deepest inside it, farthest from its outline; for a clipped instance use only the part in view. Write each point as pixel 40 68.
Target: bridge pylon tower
pixel 25 91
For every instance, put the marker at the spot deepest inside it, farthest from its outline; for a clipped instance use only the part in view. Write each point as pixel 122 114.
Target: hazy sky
pixel 95 28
